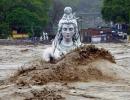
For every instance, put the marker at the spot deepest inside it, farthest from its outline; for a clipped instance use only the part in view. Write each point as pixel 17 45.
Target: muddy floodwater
pixel 13 57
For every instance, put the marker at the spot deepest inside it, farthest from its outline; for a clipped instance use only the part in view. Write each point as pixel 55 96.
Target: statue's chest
pixel 65 49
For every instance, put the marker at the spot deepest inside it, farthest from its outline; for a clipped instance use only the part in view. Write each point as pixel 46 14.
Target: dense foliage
pixel 25 16
pixel 117 11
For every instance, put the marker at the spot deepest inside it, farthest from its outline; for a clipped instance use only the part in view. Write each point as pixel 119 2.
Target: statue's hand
pixel 47 54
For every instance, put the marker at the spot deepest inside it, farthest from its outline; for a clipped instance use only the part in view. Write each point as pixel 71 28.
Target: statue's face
pixel 67 31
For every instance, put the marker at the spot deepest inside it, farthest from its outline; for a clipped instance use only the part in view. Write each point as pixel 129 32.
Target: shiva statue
pixel 66 39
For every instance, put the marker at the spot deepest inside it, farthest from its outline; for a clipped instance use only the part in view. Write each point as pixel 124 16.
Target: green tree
pixel 4 30
pixel 116 10
pixel 29 16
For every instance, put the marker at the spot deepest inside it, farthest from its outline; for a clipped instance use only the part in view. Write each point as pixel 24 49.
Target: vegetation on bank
pixel 25 16
pixel 117 11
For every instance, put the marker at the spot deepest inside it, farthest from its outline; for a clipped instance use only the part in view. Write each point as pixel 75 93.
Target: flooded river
pixel 13 57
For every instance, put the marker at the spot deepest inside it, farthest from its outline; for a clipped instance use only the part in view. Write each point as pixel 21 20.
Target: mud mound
pixel 75 66
pixel 87 54
pixel 45 94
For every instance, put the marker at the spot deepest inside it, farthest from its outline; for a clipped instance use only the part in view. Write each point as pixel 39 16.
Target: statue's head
pixel 68 10
pixel 67 28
